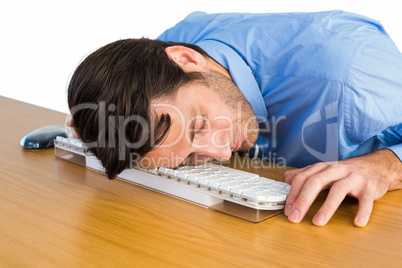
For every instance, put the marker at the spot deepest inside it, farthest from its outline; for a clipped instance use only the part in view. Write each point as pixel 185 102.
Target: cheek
pixel 198 159
pixel 168 159
pixel 222 133
pixel 223 124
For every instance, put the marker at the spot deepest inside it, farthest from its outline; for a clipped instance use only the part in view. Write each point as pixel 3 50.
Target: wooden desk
pixel 57 214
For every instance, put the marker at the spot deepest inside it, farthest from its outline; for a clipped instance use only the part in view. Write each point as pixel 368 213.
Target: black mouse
pixel 43 137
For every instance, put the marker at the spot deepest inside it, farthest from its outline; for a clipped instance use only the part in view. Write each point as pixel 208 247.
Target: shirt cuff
pixel 397 149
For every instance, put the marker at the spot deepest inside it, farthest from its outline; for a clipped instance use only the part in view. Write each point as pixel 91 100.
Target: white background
pixel 43 41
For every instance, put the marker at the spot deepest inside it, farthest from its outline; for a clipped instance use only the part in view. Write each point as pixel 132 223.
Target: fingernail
pixel 319 219
pixel 360 222
pixel 287 209
pixel 294 216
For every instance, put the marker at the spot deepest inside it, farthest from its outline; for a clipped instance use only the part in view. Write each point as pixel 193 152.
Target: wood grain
pixel 57 214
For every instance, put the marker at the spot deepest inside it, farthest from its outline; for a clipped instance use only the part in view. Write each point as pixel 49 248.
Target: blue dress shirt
pixel 324 86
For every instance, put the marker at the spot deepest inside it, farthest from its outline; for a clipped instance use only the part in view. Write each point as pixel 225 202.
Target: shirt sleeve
pixel 397 149
pixel 374 96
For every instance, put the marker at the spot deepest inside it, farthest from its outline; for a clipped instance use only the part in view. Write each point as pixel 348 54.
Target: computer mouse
pixel 43 137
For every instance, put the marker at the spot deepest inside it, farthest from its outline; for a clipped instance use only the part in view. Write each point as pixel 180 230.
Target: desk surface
pixel 57 214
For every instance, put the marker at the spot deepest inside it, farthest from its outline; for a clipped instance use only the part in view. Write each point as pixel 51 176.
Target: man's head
pixel 136 99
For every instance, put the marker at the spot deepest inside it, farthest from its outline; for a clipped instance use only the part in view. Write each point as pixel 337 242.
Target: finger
pixel 363 213
pixel 335 197
pixel 297 182
pixel 290 174
pixel 310 190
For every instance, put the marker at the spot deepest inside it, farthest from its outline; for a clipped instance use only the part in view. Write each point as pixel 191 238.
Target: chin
pixel 245 147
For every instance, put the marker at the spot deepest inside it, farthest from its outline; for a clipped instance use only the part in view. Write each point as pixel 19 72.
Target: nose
pixel 219 146
pixel 206 155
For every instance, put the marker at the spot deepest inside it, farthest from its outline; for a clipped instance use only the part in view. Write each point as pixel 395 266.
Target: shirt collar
pixel 241 74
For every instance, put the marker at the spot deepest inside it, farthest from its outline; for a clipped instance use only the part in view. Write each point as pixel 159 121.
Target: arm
pixel 366 178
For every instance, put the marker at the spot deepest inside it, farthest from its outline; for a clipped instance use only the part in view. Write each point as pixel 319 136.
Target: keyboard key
pixel 258 196
pixel 205 179
pixel 163 171
pixel 153 171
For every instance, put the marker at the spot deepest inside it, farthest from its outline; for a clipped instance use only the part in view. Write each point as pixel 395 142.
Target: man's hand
pixel 366 178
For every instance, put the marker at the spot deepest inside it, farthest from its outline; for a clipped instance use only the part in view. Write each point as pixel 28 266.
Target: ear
pixel 188 59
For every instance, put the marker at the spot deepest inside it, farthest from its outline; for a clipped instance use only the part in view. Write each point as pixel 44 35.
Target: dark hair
pixel 109 96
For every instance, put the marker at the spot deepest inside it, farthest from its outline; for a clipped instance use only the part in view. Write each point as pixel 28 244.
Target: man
pixel 304 89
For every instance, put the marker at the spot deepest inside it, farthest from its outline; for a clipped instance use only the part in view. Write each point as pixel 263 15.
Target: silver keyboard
pixel 191 183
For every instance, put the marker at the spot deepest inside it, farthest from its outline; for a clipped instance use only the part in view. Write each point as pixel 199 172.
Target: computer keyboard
pixel 206 184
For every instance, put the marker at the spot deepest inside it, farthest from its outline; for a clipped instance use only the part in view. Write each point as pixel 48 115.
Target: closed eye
pixel 203 126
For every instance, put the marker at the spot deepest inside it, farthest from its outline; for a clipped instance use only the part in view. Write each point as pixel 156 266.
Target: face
pixel 210 120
